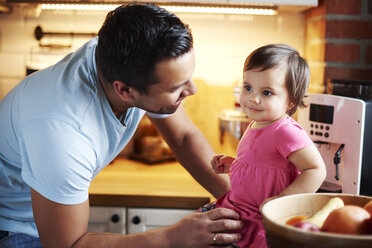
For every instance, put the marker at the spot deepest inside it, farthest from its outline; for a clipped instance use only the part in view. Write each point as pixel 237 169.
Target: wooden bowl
pixel 279 235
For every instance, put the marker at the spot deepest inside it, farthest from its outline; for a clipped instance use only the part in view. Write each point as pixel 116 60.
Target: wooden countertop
pixel 134 184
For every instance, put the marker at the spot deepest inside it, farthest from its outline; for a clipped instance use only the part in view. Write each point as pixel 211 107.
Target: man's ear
pixel 123 91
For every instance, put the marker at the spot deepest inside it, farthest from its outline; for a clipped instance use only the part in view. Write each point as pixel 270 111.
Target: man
pixel 62 125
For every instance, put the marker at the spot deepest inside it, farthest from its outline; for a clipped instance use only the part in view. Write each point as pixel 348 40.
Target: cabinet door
pixel 107 219
pixel 144 219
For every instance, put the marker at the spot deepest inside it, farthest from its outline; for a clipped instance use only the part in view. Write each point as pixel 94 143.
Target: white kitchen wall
pixel 222 42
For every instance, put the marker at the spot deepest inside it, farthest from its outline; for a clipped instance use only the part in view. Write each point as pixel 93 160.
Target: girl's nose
pixel 254 98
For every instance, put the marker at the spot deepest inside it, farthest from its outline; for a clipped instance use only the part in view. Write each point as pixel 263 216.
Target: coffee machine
pixel 341 128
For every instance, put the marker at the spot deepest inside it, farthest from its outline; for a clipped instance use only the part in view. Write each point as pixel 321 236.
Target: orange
pixel 294 220
pixel 346 220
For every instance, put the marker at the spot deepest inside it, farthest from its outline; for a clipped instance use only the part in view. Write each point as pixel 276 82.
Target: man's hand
pixel 208 229
pixel 65 226
pixel 221 163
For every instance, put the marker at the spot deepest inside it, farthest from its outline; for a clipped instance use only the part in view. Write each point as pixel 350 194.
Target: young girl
pixel 275 156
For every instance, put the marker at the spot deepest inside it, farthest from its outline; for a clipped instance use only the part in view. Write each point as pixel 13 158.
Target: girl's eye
pixel 247 87
pixel 267 93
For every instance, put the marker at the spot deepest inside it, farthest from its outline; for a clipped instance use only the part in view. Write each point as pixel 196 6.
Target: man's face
pixel 174 85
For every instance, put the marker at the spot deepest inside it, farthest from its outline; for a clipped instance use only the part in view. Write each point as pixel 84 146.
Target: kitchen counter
pixel 134 184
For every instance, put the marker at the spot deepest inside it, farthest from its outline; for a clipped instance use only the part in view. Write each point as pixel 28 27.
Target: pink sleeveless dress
pixel 261 170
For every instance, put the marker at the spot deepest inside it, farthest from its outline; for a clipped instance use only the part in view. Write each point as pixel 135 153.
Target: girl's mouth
pixel 253 109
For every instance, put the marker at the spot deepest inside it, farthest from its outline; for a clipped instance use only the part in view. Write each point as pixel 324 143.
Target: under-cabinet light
pixel 241 10
pixel 59 6
pixel 222 10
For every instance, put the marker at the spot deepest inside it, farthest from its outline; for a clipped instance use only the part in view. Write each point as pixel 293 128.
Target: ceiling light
pixel 58 6
pixel 222 10
pixel 215 9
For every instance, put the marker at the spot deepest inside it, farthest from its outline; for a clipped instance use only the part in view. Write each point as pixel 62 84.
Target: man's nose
pixel 190 89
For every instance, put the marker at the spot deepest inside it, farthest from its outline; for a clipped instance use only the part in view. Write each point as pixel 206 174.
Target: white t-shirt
pixel 57 132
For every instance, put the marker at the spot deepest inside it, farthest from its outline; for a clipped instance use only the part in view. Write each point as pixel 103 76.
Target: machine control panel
pixel 320 117
pixel 319 130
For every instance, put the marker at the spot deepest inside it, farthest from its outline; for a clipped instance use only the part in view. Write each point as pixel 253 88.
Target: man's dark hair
pixel 134 38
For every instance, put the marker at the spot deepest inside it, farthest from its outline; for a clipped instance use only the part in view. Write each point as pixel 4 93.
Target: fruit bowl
pixel 279 235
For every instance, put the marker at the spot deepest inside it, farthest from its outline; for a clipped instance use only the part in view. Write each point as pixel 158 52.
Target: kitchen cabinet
pixel 145 219
pixel 108 219
pixel 130 197
pixel 124 220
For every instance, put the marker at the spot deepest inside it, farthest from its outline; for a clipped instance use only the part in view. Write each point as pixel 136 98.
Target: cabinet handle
pixel 136 220
pixel 115 218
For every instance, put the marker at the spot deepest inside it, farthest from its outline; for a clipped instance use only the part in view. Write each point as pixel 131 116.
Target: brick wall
pixel 338 41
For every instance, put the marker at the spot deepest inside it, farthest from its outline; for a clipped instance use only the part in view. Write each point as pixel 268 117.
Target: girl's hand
pixel 221 163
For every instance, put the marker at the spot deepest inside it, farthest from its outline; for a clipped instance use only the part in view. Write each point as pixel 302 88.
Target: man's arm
pixel 62 225
pixel 192 150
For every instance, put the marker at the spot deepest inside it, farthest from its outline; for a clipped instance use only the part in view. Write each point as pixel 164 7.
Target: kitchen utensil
pixel 233 123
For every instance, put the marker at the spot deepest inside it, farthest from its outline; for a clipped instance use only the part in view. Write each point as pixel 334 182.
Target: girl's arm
pixel 309 161
pixel 221 163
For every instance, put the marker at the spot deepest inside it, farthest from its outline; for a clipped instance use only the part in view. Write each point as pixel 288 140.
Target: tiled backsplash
pixel 205 107
pixel 11 71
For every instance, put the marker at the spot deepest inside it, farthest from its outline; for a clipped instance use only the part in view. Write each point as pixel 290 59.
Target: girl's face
pixel 264 96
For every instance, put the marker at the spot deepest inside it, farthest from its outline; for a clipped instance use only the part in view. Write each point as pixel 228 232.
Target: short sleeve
pixel 57 160
pixel 291 137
